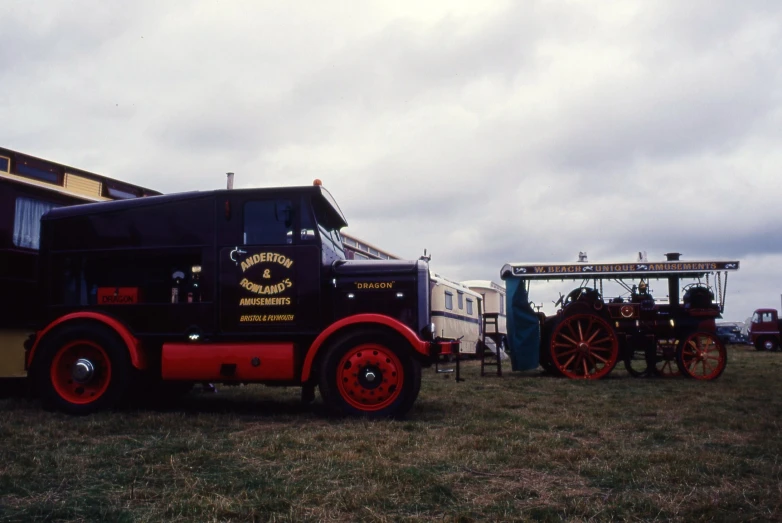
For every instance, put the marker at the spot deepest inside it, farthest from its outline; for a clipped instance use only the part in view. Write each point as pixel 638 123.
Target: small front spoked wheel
pixel 702 356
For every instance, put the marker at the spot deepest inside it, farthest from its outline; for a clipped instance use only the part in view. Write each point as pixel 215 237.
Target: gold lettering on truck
pixel 375 285
pixel 268 276
pixel 266 257
pixel 264 302
pixel 256 288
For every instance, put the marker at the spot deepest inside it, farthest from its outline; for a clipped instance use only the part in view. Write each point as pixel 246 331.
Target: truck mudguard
pixel 137 356
pixel 361 319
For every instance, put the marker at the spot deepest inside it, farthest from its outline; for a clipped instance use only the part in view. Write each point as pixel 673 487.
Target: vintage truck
pixel 237 286
pixel 764 329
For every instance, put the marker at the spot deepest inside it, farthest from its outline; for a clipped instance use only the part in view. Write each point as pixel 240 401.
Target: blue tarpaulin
pixel 523 326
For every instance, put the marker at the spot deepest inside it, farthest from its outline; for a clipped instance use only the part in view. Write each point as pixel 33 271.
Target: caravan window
pixel 27 221
pixel 502 303
pixel 460 296
pixel 469 306
pixel 448 300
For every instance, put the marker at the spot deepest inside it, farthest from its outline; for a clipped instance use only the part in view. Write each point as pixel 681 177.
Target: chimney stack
pixel 230 180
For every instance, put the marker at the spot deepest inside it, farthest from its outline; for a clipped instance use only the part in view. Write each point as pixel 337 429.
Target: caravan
pixel 456 312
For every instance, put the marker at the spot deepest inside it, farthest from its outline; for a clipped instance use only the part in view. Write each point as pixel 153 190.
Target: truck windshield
pixel 332 241
pixel 329 226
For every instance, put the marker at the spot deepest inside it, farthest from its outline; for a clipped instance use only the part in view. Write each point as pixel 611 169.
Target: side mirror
pixel 283 212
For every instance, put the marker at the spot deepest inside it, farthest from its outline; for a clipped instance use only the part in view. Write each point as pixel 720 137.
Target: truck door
pixel 269 275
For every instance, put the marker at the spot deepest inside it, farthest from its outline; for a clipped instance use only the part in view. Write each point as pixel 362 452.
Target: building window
pixel 5 164
pixel 448 301
pixel 119 194
pixel 39 173
pixel 27 222
pixel 469 307
pixel 460 296
pixel 268 222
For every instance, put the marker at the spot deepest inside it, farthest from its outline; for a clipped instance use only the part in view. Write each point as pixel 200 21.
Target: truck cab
pixel 764 329
pixel 232 286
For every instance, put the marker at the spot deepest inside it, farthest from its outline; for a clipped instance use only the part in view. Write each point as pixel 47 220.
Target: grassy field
pixel 521 447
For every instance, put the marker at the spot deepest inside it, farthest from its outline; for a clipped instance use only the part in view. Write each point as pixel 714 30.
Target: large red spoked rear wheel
pixel 702 356
pixel 82 368
pixel 584 346
pixel 370 374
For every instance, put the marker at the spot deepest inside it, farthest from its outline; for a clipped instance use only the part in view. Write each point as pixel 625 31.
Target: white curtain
pixel 27 222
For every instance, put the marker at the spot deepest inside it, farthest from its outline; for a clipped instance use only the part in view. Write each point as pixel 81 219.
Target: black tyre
pixel 81 369
pixel 636 362
pixel 370 374
pixel 767 344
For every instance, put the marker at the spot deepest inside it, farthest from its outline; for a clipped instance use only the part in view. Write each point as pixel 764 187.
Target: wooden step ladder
pixel 491 358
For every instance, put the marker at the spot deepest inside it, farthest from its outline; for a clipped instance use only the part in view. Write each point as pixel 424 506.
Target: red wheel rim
pixel 703 356
pixel 666 359
pixel 584 347
pixel 81 372
pixel 370 377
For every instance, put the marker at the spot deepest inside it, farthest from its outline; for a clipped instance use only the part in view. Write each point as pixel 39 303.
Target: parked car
pixel 730 334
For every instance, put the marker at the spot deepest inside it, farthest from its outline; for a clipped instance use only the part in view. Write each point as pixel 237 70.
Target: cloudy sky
pixel 485 132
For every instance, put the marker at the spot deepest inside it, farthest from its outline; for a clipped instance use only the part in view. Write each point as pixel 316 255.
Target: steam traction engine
pixel 590 333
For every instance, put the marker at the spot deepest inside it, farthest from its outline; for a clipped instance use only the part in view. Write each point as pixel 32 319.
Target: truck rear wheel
pixel 82 369
pixel 369 374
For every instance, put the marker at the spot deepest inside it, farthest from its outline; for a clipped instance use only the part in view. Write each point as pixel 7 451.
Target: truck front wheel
pixel 82 369
pixel 369 374
pixel 766 344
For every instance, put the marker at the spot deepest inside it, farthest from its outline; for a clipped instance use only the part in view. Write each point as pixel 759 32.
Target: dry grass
pixel 522 447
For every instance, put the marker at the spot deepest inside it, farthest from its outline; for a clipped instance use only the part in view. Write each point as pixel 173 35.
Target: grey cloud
pixel 527 133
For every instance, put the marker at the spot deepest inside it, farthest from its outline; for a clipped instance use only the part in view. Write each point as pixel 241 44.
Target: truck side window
pixel 766 317
pixel 268 222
